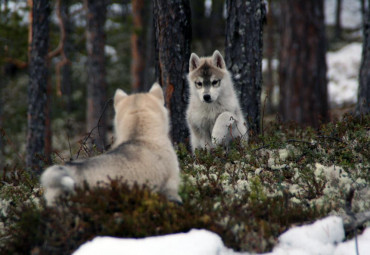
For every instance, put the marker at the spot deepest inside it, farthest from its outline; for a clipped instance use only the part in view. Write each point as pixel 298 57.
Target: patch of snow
pixel 343 70
pixel 322 237
pixel 349 247
pixel 317 238
pixel 274 64
pixel 194 242
pixel 111 52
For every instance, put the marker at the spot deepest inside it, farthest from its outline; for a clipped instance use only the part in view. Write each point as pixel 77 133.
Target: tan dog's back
pixel 142 152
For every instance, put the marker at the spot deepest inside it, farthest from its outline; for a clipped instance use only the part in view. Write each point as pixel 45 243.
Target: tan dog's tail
pixel 57 177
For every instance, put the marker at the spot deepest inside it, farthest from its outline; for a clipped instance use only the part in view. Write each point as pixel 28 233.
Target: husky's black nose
pixel 207 98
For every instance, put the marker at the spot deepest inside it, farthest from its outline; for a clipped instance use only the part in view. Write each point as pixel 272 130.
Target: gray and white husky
pixel 142 153
pixel 214 115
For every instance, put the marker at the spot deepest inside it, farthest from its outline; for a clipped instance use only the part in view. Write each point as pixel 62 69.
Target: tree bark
pixel 66 83
pixel 218 24
pixel 2 85
pixel 198 19
pixel 363 99
pixel 302 69
pixel 37 86
pixel 96 84
pixel 270 46
pixel 338 24
pixel 172 36
pixel 139 44
pixel 244 43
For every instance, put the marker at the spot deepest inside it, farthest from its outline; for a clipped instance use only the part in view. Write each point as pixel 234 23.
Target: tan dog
pixel 142 153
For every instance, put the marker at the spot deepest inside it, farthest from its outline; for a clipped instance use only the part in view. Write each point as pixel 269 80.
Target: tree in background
pixel 363 101
pixel 96 84
pixel 141 45
pixel 38 73
pixel 172 37
pixel 244 27
pixel 66 77
pixel 2 84
pixel 206 40
pixel 302 69
pixel 338 24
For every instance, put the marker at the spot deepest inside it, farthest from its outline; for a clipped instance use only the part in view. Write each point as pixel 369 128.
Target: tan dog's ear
pixel 193 62
pixel 157 91
pixel 218 60
pixel 118 96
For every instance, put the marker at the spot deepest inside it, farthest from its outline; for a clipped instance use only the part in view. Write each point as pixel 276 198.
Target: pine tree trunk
pixel 48 131
pixel 66 83
pixel 338 24
pixel 270 46
pixel 198 19
pixel 244 43
pixel 37 86
pixel 2 85
pixel 218 24
pixel 363 101
pixel 139 44
pixel 302 69
pixel 172 36
pixel 96 84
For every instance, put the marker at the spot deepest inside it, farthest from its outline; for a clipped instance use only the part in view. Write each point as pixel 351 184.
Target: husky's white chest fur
pixel 213 115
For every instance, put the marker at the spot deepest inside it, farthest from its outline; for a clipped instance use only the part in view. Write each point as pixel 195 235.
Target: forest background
pixel 94 48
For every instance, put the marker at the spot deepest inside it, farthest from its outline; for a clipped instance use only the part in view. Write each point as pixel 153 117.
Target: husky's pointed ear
pixel 218 60
pixel 193 62
pixel 118 96
pixel 157 91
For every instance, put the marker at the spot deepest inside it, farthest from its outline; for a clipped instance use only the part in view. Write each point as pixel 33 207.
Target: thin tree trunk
pixel 302 69
pixel 269 84
pixel 96 84
pixel 338 24
pixel 198 19
pixel 244 43
pixel 218 24
pixel 139 60
pixel 48 131
pixel 37 86
pixel 172 36
pixel 149 71
pixel 363 101
pixel 2 85
pixel 66 84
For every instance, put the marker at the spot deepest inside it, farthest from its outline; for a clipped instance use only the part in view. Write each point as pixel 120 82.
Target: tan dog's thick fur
pixel 142 152
pixel 214 115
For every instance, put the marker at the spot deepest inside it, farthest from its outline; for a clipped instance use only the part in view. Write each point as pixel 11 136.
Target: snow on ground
pixel 323 237
pixel 343 71
pixel 194 242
